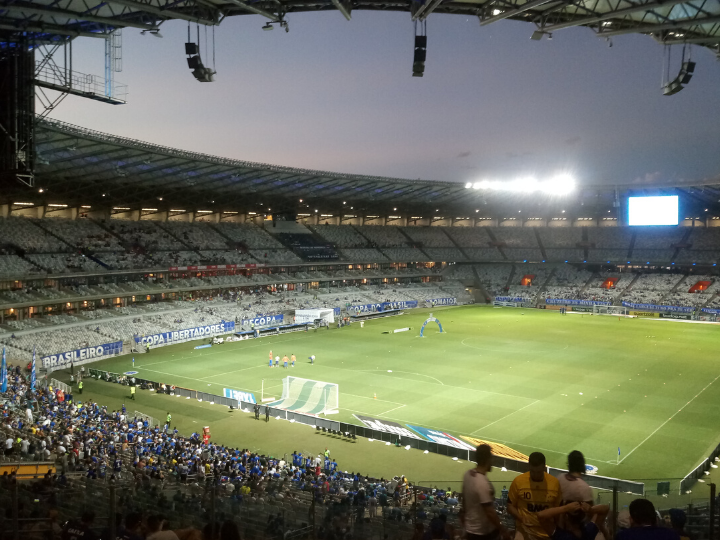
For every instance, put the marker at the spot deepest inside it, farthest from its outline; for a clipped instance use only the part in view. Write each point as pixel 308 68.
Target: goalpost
pixel 308 396
pixel 609 310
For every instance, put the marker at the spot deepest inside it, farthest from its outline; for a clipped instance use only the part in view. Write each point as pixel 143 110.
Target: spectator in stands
pixel 479 517
pixel 677 522
pixel 80 530
pixel 530 493
pixel 643 524
pixel 575 520
pixel 572 485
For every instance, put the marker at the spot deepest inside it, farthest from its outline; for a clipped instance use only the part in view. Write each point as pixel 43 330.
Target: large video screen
pixel 653 210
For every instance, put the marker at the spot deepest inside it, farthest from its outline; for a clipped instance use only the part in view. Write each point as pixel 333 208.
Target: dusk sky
pixel 339 96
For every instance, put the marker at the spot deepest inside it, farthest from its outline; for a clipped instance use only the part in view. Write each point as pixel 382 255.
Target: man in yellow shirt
pixel 530 493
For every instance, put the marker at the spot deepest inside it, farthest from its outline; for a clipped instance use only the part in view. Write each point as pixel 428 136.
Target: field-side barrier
pixel 699 471
pixel 362 431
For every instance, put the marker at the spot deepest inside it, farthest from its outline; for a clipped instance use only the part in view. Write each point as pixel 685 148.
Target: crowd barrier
pixel 606 483
pixel 699 471
pixel 81 356
pixel 573 302
pixel 654 307
pixel 464 453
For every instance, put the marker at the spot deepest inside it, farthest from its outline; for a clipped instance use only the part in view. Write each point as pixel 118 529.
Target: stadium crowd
pixel 214 485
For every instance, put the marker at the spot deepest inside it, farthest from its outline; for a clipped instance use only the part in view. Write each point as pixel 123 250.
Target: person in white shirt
pixel 478 514
pixel 9 445
pixel 572 485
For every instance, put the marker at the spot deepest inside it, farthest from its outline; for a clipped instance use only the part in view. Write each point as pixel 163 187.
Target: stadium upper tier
pixel 31 247
pixel 91 171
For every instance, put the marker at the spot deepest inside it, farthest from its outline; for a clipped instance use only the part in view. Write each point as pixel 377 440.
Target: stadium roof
pixel 669 21
pixel 78 166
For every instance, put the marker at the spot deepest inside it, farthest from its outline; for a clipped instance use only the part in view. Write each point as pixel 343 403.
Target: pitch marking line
pixel 380 372
pixel 229 372
pixel 391 410
pixel 395 371
pixel 375 399
pixel 504 417
pixel 666 421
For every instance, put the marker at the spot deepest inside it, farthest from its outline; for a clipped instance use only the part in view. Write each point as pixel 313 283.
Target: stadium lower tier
pixel 233 472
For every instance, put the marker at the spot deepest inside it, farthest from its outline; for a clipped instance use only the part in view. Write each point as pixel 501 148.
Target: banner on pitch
pixel 383 306
pixel 264 320
pixel 514 299
pixel 442 301
pixel 671 309
pixel 387 427
pixel 238 395
pixel 178 336
pixel 574 302
pixel 441 437
pixel 81 356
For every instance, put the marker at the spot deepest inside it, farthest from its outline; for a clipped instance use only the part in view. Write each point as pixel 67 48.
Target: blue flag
pixel 618 450
pixel 3 374
pixel 32 373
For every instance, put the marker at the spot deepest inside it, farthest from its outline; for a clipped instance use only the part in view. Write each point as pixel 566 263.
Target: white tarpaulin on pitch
pixel 310 315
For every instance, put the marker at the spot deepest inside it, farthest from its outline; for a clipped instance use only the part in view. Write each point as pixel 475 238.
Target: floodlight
pixel 267 27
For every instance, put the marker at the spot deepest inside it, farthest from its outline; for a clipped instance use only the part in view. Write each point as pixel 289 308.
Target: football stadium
pixel 202 347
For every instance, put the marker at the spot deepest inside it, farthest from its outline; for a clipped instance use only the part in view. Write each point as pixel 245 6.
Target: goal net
pixel 609 310
pixel 308 396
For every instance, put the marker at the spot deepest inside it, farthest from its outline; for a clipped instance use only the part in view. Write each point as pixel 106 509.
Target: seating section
pixel 596 291
pixel 248 234
pixel 23 233
pixel 434 237
pixel 405 254
pixel 362 255
pixel 683 297
pixel 651 288
pixel 82 234
pixel 470 237
pixel 13 266
pixel 494 277
pixel 196 236
pixel 660 238
pixel 383 236
pixel 449 254
pixel 60 246
pixel 523 254
pixel 90 328
pixel 560 237
pixel 564 254
pixel 490 254
pixel 515 237
pixel 567 282
pixel 343 236
pixel 609 243
pixel 144 234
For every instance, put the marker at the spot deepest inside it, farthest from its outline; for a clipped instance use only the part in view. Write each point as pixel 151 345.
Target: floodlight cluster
pixel 561 184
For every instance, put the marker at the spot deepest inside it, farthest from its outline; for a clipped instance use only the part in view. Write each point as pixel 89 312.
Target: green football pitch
pixel 530 379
